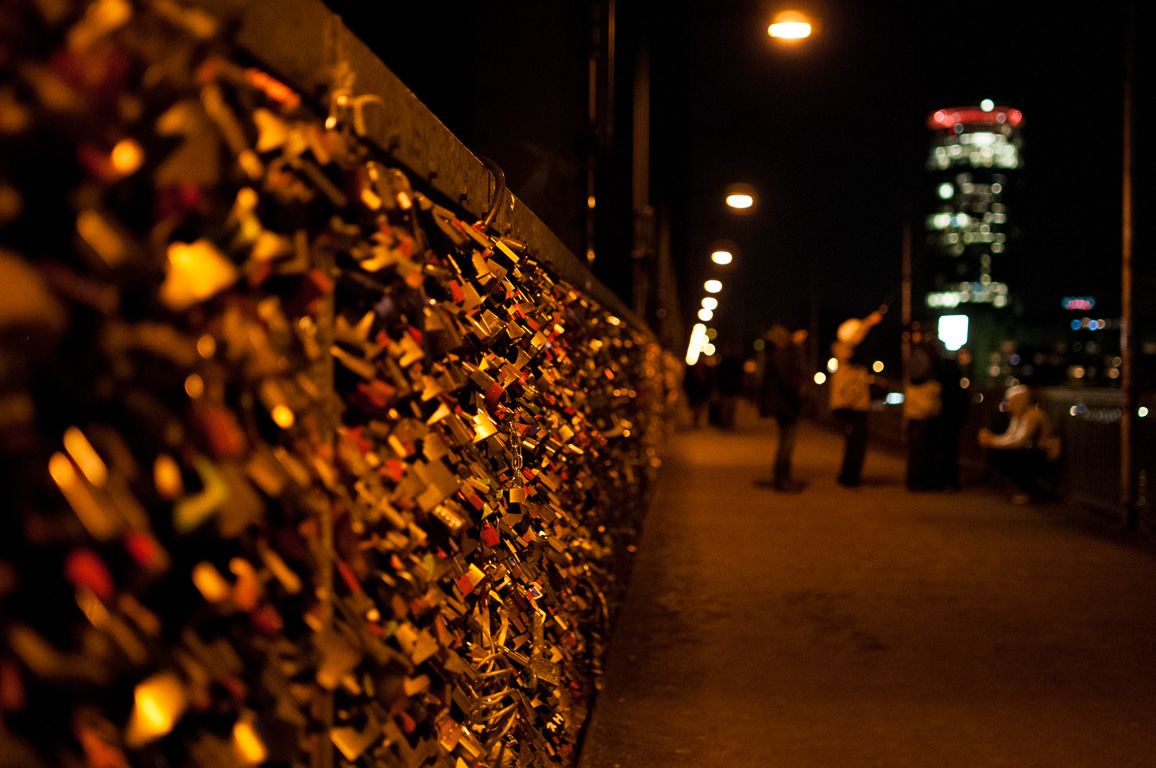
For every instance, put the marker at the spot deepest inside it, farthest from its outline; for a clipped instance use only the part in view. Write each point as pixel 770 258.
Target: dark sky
pixel 831 133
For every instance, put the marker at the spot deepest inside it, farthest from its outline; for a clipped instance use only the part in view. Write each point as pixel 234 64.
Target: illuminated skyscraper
pixel 973 166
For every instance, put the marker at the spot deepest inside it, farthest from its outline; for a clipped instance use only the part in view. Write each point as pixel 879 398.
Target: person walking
pixel 851 394
pixel 781 396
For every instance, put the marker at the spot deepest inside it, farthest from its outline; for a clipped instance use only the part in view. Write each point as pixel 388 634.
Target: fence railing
pixel 313 440
pixel 1088 421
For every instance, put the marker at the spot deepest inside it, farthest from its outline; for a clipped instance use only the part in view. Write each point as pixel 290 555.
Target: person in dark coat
pixel 952 418
pixel 730 383
pixel 696 382
pixel 922 409
pixel 780 396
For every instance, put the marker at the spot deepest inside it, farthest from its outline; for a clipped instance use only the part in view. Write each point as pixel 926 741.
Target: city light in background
pixel 706 315
pixel 709 302
pixel 953 331
pixel 722 257
pixel 712 286
pixel 740 200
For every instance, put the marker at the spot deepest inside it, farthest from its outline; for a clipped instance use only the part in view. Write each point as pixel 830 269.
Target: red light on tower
pixel 948 118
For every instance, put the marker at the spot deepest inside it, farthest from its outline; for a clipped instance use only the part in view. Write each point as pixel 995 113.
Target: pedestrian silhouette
pixel 1027 450
pixel 781 397
pixel 851 394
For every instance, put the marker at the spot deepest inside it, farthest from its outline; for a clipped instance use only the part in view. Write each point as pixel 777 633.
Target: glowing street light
pixel 741 199
pixel 709 302
pixel 722 257
pixel 712 286
pixel 706 315
pixel 789 25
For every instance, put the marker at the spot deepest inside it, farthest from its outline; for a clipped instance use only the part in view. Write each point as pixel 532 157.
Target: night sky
pixel 831 132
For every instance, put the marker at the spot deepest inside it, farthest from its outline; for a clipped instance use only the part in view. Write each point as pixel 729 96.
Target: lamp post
pixel 1130 490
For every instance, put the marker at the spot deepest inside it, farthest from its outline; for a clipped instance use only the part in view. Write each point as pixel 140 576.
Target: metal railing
pixel 1088 422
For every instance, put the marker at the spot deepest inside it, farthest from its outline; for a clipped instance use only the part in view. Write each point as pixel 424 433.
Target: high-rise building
pixel 973 166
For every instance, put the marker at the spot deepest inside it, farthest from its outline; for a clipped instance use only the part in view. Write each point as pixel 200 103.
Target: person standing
pixel 851 394
pixel 781 396
pixel 922 408
pixel 730 383
pixel 952 418
pixel 696 383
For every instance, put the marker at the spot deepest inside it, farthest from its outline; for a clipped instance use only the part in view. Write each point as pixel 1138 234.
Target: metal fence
pixel 1088 421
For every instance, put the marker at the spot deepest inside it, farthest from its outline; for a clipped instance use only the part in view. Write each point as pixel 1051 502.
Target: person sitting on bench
pixel 1028 449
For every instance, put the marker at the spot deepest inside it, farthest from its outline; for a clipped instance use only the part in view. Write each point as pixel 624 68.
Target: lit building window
pixel 953 331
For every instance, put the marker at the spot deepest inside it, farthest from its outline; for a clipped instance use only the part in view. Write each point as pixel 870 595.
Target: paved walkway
pixel 872 627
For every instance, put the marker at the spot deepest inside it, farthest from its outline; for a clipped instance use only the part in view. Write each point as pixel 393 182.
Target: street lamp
pixel 712 286
pixel 740 197
pixel 722 257
pixel 789 25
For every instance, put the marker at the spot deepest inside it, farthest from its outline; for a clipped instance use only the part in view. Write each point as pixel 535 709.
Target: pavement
pixel 872 626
